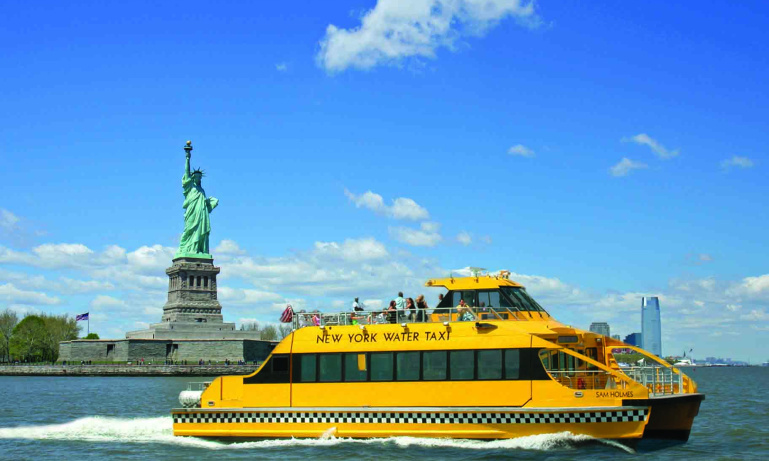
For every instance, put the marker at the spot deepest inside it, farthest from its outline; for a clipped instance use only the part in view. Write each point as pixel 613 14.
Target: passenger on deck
pixel 411 310
pixel 464 313
pixel 392 312
pixel 356 306
pixel 421 309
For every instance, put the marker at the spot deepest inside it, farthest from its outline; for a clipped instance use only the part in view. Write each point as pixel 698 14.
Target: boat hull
pixel 496 423
pixel 671 416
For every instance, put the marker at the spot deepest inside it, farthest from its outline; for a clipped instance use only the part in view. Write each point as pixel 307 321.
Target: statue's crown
pixel 198 171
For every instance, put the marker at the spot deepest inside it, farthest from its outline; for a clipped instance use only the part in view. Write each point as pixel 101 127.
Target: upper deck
pixel 475 298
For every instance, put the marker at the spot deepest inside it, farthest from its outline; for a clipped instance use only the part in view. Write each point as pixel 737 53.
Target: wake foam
pixel 160 430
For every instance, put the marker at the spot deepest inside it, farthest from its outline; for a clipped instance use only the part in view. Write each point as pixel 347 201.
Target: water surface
pixel 128 418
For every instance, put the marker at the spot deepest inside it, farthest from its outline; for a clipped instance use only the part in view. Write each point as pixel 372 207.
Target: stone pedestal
pixel 192 310
pixel 192 292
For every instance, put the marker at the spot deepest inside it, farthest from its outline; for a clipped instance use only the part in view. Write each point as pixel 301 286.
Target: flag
pixel 288 314
pixel 81 317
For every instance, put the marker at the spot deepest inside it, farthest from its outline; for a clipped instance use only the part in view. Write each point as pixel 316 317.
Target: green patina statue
pixel 197 223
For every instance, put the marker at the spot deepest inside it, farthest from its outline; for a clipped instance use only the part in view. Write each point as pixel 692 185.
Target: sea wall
pixel 161 350
pixel 126 370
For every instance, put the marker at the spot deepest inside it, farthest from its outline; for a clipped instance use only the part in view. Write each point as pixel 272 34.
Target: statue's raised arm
pixel 188 152
pixel 197 223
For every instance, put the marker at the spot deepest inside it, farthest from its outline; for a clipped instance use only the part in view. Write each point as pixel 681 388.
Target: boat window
pixel 407 366
pixel 352 371
pixel 307 368
pixel 462 365
pixel 488 298
pixel 512 364
pixel 381 364
pixel 434 365
pixel 330 367
pixel 490 364
pixel 280 364
pixel 467 295
pixel 519 296
pixel 509 300
pixel 275 370
pixel 557 360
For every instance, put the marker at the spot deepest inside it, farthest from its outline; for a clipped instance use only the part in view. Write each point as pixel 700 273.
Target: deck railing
pixel 587 379
pixel 437 315
pixel 659 380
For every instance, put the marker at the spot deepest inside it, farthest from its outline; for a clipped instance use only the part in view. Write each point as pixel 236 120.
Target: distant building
pixel 617 337
pixel 634 339
pixel 651 325
pixel 602 328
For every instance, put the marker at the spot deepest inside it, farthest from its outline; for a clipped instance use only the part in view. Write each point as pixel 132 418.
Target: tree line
pixel 36 337
pixel 267 332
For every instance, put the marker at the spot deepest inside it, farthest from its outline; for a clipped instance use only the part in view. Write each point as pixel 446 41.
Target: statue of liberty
pixel 197 223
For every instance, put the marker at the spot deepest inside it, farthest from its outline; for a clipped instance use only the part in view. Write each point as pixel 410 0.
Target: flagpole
pixel 89 325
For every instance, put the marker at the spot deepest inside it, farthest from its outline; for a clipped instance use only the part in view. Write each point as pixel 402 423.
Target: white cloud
pixel 72 286
pixel 658 149
pixel 625 166
pixel 755 314
pixel 9 294
pixel 281 67
pixel 228 247
pixel 240 296
pixel 395 30
pixel 736 161
pixel 733 307
pixel 353 250
pixel 151 259
pixel 402 207
pixel 8 220
pixel 752 287
pixel 351 268
pixel 520 150
pixel 63 254
pixel 427 235
pixel 373 304
pixel 699 285
pixel 464 238
pixel 103 301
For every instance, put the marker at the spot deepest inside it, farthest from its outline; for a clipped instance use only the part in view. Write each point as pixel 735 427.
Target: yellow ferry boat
pixel 499 368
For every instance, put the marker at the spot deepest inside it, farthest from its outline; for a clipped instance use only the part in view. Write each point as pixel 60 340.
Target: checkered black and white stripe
pixel 550 417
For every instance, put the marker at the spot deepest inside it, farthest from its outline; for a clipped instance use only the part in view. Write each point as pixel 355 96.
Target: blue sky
pixel 601 152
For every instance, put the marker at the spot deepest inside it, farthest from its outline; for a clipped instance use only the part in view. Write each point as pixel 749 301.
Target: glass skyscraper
pixel 602 328
pixel 651 325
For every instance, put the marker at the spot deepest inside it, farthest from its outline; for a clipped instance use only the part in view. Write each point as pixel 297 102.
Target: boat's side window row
pixel 486 364
pixel 454 365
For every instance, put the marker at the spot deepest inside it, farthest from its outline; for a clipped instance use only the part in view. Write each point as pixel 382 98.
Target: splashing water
pixel 160 430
